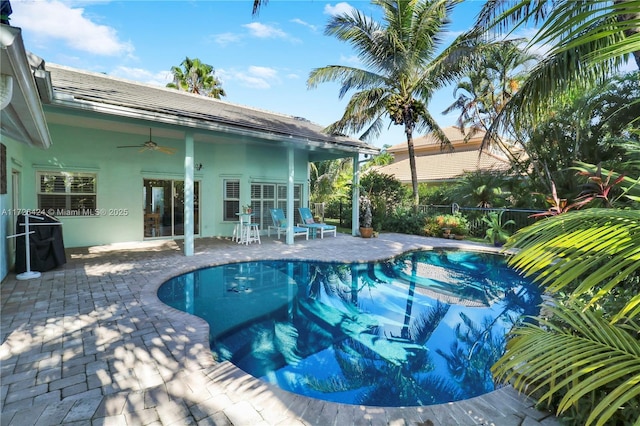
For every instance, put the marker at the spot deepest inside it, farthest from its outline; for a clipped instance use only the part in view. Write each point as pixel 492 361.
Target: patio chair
pixel 308 222
pixel 280 225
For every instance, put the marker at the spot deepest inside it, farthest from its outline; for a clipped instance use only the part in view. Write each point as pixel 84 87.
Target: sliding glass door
pixel 164 208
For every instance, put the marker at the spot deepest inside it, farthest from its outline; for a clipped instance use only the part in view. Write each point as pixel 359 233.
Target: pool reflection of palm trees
pixel 361 367
pixel 339 310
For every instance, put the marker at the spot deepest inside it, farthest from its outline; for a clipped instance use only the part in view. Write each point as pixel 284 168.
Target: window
pixel 265 196
pixel 231 202
pixel 67 193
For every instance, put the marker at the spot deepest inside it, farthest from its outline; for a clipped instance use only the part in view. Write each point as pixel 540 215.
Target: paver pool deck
pixel 90 343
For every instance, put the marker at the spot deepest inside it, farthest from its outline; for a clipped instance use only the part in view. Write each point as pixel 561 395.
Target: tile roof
pixel 453 133
pixel 444 165
pixel 433 163
pixel 79 86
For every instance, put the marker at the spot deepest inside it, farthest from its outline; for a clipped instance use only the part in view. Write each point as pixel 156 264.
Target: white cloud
pixel 263 72
pixel 145 76
pixel 255 77
pixel 224 39
pixel 254 29
pixel 259 30
pixel 305 24
pixel 58 21
pixel 338 9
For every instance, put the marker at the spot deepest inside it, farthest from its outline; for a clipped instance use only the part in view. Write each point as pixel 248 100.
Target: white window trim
pixel 225 198
pixel 68 210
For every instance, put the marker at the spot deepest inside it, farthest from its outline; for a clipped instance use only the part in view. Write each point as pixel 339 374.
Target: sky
pixel 263 61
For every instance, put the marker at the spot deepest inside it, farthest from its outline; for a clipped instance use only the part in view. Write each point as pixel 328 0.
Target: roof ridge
pixel 180 92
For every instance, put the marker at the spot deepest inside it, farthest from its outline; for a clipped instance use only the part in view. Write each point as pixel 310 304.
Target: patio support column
pixel 355 202
pixel 188 194
pixel 290 181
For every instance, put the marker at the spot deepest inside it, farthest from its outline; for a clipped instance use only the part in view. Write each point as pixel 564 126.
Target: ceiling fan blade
pixel 167 150
pixel 150 145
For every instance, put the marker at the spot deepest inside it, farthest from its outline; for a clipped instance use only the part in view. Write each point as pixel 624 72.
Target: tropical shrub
pixel 405 221
pixel 496 231
pixel 385 192
pixel 432 228
pixel 433 194
pixel 480 189
pixel 455 223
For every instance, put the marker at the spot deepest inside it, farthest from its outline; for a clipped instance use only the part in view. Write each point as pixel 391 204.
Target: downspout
pixel 188 194
pixel 355 198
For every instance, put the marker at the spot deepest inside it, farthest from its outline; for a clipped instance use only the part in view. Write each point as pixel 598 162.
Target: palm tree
pixel 481 188
pixel 196 77
pixel 330 179
pixel 590 39
pixel 490 84
pixel 401 70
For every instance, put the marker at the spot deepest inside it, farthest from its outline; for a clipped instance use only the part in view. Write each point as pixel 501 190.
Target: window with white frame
pixel 265 196
pixel 231 201
pixel 67 193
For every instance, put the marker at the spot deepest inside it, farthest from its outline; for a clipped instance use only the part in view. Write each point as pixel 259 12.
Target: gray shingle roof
pixel 110 91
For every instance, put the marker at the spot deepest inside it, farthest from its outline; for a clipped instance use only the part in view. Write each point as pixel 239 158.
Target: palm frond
pixel 364 107
pixel 599 247
pixel 587 354
pixel 350 78
pixel 500 15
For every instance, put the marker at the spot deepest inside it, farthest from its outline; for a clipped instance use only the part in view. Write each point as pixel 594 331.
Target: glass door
pixel 178 207
pixel 164 208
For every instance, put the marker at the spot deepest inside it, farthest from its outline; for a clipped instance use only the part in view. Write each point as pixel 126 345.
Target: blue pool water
pixel 418 329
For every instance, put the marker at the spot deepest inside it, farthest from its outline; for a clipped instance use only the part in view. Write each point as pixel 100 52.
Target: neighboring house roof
pixel 22 117
pixel 429 142
pixel 90 91
pixel 437 164
pixel 444 166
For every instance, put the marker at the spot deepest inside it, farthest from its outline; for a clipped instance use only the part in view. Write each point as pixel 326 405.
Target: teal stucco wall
pixel 14 166
pixel 120 174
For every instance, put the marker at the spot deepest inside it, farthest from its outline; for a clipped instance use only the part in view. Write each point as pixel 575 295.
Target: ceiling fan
pixel 150 145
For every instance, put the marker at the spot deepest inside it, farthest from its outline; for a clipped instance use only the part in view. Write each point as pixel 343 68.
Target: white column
pixel 290 181
pixel 188 194
pixel 355 203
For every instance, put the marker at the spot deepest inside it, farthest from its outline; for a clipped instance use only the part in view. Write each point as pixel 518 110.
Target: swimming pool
pixel 422 328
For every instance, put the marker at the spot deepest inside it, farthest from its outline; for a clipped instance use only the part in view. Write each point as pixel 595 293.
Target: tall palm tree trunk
pixel 409 125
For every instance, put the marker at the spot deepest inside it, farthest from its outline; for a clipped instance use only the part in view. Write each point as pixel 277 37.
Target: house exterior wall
pixel 14 163
pixel 120 173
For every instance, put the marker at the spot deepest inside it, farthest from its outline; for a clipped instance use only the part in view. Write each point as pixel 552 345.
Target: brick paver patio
pixel 90 343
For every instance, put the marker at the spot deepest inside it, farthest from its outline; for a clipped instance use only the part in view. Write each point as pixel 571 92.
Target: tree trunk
pixel 412 165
